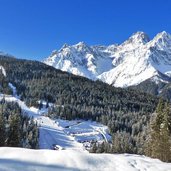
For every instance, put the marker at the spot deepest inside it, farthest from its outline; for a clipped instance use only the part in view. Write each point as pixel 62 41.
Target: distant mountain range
pixel 136 60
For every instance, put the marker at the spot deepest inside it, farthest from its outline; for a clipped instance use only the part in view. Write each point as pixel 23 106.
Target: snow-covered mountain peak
pixel 82 46
pixel 162 40
pixel 81 59
pixel 163 35
pixel 137 39
pixel 65 46
pixel 127 64
pixel 140 37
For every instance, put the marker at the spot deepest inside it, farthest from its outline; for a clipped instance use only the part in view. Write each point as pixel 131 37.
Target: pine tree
pixel 165 135
pixel 14 131
pixel 159 144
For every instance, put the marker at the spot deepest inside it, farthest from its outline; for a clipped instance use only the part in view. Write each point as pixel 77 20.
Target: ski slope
pixel 65 134
pixel 51 133
pixel 55 131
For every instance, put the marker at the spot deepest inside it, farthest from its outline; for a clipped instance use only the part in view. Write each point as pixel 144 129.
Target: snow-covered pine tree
pixel 159 143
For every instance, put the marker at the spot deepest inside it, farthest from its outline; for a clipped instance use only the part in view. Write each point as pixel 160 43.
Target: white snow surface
pixel 127 64
pixel 16 159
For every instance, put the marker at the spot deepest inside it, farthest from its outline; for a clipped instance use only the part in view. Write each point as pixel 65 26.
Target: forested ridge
pixel 35 80
pixel 126 112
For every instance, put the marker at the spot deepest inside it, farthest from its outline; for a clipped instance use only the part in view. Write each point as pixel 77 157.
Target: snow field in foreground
pixel 19 159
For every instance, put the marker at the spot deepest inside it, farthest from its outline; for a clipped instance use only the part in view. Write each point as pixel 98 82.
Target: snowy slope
pixel 15 159
pixel 127 64
pixel 55 131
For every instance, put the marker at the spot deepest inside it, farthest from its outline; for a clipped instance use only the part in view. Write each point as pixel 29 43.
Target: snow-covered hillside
pixel 127 64
pixel 15 159
pixel 75 134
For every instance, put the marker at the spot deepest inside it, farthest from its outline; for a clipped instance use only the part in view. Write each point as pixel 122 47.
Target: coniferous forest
pixel 16 129
pixel 137 121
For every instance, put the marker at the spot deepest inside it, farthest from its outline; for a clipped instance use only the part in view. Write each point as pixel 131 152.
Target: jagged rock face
pixel 127 64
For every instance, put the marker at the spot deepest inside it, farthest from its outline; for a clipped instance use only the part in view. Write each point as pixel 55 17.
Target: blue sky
pixel 33 28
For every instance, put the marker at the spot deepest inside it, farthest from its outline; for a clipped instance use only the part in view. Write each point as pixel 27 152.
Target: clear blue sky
pixel 33 28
